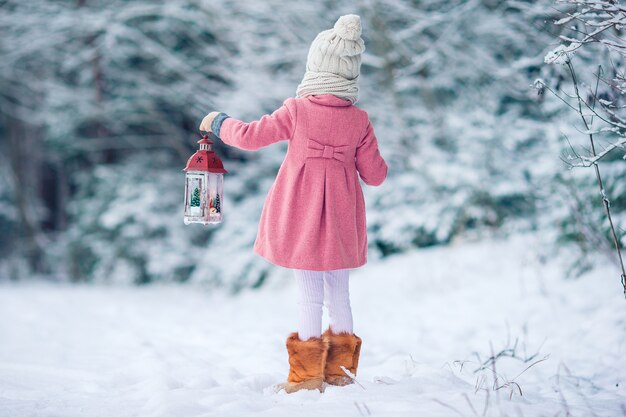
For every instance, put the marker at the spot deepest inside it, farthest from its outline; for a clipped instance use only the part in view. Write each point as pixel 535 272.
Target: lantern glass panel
pixel 203 197
pixel 215 196
pixel 195 190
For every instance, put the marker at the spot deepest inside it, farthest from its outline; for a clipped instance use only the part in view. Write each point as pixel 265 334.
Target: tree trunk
pixel 25 164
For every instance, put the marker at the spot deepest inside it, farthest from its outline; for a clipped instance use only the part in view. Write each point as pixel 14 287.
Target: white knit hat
pixel 334 61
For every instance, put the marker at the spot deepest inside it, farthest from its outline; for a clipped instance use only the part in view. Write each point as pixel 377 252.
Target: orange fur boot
pixel 307 360
pixel 344 350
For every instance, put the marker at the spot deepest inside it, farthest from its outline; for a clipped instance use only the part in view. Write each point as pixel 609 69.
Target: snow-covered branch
pixel 589 161
pixel 595 22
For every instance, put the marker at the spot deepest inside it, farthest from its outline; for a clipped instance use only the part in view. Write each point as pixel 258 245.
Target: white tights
pixel 316 286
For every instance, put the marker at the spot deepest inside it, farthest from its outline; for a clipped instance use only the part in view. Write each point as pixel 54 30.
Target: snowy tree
pixel 195 198
pixel 82 85
pixel 113 94
pixel 591 59
pixel 217 204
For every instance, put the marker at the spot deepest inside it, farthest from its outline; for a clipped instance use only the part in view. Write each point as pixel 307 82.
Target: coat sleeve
pixel 370 164
pixel 271 128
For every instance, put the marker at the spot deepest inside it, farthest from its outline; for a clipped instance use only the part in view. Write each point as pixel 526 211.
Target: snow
pixel 560 54
pixel 427 318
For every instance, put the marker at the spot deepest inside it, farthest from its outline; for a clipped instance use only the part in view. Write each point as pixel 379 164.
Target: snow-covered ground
pixel 428 320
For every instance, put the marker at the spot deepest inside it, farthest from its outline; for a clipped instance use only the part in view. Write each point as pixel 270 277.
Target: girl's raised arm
pixel 269 129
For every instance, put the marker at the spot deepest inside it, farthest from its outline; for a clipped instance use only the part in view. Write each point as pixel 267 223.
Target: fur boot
pixel 307 360
pixel 344 350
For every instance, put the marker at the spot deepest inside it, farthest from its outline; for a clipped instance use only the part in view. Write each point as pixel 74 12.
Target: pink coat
pixel 314 213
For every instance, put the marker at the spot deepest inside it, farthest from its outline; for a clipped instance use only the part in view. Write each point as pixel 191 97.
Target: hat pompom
pixel 349 27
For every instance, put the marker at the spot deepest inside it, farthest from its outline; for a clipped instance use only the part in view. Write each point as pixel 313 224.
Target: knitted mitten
pixel 306 364
pixel 343 350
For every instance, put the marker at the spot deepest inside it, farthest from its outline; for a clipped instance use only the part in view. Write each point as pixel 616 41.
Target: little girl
pixel 313 219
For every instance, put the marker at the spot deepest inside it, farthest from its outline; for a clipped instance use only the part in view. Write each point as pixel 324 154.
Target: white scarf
pixel 318 83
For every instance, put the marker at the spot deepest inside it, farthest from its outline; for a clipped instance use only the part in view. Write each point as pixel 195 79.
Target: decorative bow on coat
pixel 319 150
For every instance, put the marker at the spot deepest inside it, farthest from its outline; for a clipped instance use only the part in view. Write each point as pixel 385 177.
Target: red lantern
pixel 204 185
